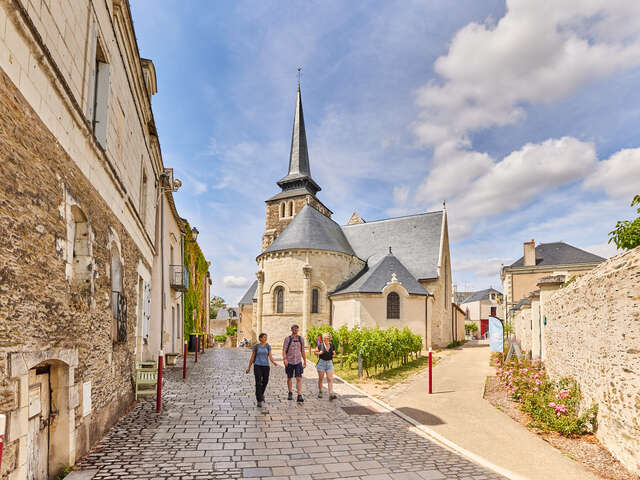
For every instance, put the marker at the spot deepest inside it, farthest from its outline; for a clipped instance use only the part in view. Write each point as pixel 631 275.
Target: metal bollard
pixel 159 389
pixel 430 373
pixel 184 361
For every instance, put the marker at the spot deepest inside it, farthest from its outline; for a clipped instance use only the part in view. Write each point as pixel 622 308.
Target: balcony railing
pixel 120 314
pixel 178 278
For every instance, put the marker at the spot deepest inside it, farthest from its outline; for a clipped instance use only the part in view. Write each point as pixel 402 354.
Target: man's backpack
pixel 290 338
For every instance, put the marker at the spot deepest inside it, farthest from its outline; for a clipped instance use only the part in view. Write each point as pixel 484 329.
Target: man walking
pixel 295 361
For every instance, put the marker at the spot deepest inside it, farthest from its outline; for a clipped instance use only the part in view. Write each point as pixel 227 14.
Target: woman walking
pixel 325 351
pixel 260 357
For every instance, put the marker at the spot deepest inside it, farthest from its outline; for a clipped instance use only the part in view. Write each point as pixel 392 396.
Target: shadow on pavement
pixel 425 418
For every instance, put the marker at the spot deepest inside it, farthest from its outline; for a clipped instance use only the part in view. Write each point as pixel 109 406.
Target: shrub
pixel 551 405
pixel 232 330
pixel 220 338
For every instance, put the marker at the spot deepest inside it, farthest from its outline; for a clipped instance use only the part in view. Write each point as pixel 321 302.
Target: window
pixel 99 98
pixel 493 311
pixel 118 301
pixel 314 301
pixel 81 265
pixel 282 209
pixel 393 305
pixel 291 209
pixel 279 300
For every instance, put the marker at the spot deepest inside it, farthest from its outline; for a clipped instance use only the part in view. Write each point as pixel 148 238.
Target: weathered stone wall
pixel 39 309
pixel 246 323
pixel 593 335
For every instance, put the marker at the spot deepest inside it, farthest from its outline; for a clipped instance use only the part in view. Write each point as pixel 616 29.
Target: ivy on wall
pixel 194 297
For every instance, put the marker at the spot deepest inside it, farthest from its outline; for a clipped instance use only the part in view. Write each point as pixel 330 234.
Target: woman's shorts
pixel 324 365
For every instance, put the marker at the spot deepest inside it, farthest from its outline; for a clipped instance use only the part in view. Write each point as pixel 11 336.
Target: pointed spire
pixel 299 156
pixel 299 175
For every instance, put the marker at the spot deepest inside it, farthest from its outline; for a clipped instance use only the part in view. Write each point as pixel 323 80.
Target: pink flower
pixel 538 382
pixel 536 389
pixel 563 394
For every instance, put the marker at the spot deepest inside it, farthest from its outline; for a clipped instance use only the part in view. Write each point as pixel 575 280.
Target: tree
pixel 214 305
pixel 626 235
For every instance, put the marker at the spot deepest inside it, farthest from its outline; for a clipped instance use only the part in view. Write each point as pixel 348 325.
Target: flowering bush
pixel 552 405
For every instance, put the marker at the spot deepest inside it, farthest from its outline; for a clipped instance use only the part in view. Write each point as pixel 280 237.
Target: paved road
pixel 458 412
pixel 210 427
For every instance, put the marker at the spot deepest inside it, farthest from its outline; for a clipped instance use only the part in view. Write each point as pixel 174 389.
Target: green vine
pixel 194 297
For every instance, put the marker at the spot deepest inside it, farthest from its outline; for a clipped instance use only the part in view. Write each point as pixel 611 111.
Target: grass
pixel 389 377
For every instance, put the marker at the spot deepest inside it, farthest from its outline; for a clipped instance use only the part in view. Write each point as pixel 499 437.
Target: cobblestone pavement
pixel 210 427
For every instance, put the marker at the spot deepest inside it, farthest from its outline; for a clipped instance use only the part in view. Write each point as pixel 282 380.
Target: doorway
pixel 39 420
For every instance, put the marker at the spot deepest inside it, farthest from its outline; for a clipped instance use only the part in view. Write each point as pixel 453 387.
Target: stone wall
pixel 40 310
pixel 593 335
pixel 246 326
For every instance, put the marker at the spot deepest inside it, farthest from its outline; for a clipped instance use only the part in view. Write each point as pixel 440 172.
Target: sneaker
pixel 300 399
pixel 333 396
pixel 319 394
pixel 259 404
pixel 290 396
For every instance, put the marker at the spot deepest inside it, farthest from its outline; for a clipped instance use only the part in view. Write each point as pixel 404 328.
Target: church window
pixel 393 305
pixel 279 300
pixel 291 209
pixel 314 300
pixel 282 209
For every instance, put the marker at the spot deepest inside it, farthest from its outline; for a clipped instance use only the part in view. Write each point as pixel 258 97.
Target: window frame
pixel 315 300
pixel 279 300
pixel 393 306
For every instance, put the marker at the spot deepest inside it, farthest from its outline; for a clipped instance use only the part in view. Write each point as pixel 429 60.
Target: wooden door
pixel 38 437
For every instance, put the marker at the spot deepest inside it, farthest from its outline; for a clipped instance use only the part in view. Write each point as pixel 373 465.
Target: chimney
pixel 529 253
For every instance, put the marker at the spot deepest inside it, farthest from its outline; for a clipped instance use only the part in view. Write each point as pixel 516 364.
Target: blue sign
pixel 496 335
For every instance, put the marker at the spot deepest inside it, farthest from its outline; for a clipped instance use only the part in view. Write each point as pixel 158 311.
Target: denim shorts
pixel 324 365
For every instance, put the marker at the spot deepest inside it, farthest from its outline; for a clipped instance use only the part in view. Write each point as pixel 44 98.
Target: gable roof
pixel 559 253
pixel 226 313
pixel 415 241
pixel 479 295
pixel 310 229
pixel 247 298
pixel 375 278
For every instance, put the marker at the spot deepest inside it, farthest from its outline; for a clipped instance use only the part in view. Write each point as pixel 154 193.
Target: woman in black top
pixel 325 352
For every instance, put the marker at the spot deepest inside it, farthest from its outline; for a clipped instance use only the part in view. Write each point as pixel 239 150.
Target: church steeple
pixel 299 175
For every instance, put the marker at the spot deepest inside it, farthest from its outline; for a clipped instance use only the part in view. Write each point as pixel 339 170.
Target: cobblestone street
pixel 210 427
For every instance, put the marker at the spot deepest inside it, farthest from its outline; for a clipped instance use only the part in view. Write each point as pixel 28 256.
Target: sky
pixel 523 116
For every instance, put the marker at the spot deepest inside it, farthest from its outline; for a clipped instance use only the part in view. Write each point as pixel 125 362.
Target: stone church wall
pixel 593 335
pixel 39 310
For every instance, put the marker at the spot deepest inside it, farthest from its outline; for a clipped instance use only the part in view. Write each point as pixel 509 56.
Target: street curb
pixel 436 437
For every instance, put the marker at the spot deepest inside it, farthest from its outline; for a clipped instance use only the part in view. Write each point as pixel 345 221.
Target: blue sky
pixel 524 119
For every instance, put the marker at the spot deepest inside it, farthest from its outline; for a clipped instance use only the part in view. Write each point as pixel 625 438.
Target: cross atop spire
pixel 299 175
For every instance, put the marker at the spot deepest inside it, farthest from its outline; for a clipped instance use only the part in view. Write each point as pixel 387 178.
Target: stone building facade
pixel 592 334
pixel 81 164
pixel 392 272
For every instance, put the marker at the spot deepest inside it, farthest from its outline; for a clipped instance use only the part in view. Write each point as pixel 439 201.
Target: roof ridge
pixel 393 218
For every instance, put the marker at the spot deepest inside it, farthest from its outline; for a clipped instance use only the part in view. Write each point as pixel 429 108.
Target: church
pixel 394 272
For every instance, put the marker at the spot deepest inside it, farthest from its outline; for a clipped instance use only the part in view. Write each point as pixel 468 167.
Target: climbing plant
pixel 194 296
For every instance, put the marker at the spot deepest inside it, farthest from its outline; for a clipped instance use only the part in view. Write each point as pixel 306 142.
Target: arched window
pixel 81 256
pixel 282 207
pixel 314 300
pixel 291 209
pixel 393 305
pixel 279 294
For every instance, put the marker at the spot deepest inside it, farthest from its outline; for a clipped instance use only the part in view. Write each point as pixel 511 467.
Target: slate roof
pixel 227 313
pixel 480 295
pixel 560 253
pixel 523 301
pixel 294 192
pixel 374 279
pixel 415 241
pixel 299 171
pixel 247 298
pixel 313 230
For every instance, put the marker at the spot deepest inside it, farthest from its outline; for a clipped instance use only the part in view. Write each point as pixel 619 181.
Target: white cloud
pixel 401 194
pixel 232 281
pixel 537 52
pixel 605 250
pixel 619 176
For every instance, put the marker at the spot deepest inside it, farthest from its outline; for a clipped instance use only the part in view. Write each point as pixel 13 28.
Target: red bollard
pixel 184 361
pixel 197 347
pixel 159 391
pixel 430 373
pixel 3 424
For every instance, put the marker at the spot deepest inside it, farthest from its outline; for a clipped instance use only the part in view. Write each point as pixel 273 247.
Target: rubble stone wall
pixel 593 335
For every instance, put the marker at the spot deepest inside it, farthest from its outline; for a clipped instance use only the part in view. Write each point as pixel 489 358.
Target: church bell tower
pixel 298 187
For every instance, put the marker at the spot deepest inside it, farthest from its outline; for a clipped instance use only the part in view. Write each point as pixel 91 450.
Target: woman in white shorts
pixel 325 353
